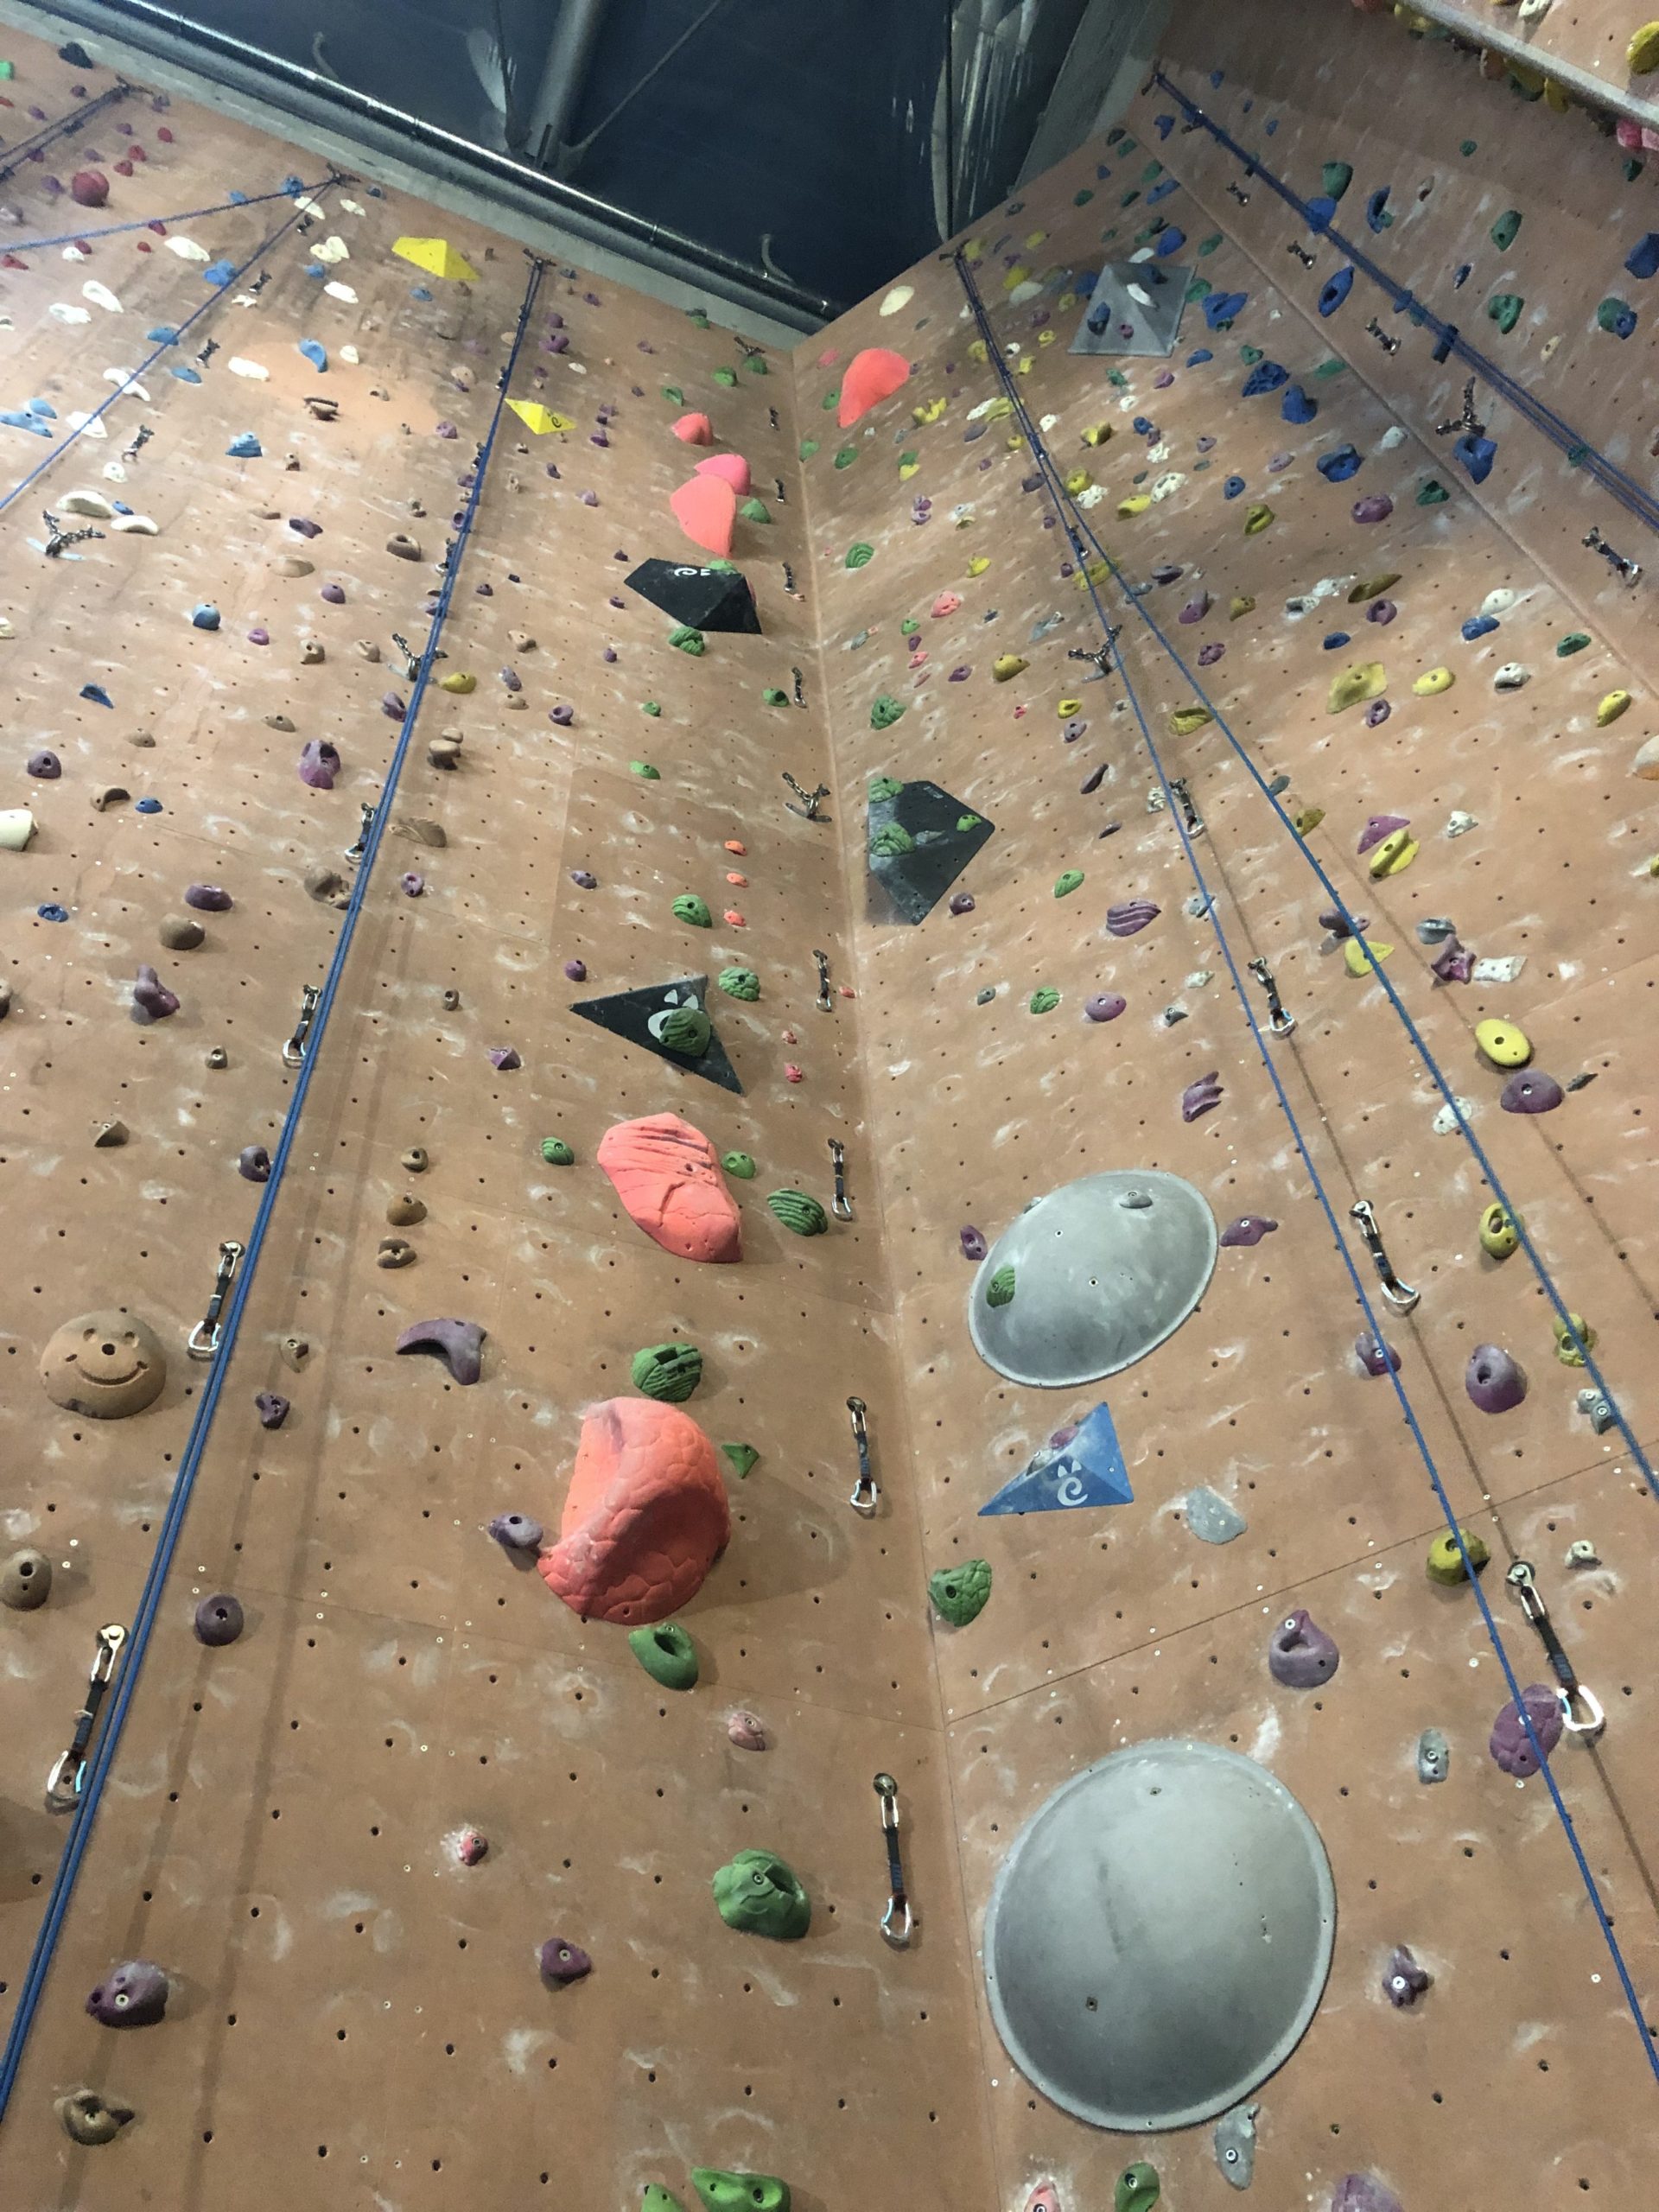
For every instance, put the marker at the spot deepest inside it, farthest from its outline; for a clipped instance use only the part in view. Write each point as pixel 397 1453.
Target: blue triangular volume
pixel 1087 1469
pixel 1336 290
pixel 1266 375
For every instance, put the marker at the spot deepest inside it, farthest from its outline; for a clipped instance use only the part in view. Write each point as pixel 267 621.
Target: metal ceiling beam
pixel 564 79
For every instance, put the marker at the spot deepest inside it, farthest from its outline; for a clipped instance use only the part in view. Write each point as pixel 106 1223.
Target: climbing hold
pixel 886 710
pixel 1364 2193
pixel 1610 707
pixel 1376 506
pixel 1396 852
pixel 271 1408
pixel 1337 467
pixel 1433 1757
pixel 1186 720
pixel 517 1532
pixel 132 1995
pixel 1210 1518
pixel 1235 2146
pixel 1299 1653
pixel 1403 1980
pixel 1242 604
pixel 1356 684
pixel 1508 1743
pixel 1105 1006
pixel 871 376
pixel 1266 376
pixel 561 1962
pixel 1434 680
pixel 739 1164
pixel 1248 1228
pixel 646 1516
pixel 738 2192
pixel 959 1593
pixel 667 1654
pixel 741 1458
pixel 88 2118
pixel 744 1729
pixel 218 1620
pixel 1069 881
pixel 1000 1290
pixel 1257 520
pixel 1574 1337
pixel 1473 454
pixel 1445 1562
pixel 670 1371
pixel 1201 1097
pixel 1503 1044
pixel 459 1345
pixel 1493 1380
pixel 1505 309
pixel 757 1894
pixel 1130 916
pixel 1137 2188
pixel 799 1212
pixel 667 1175
pixel 25 1582
pixel 1617 316
pixel 1531 1094
pixel 1044 1000
pixel 503 1058
pixel 103 1365
pixel 688 907
pixel 1498 1235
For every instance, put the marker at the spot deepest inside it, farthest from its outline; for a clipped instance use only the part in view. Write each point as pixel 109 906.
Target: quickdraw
pixel 63 1784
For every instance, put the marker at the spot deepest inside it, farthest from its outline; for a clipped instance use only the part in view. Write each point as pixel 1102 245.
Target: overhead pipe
pixel 564 78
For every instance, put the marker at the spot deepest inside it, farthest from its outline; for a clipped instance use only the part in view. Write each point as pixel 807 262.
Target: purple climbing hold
pixel 411 884
pixel 973 1246
pixel 319 764
pixel 1073 727
pixel 1105 1006
pixel 1279 461
pixel 1299 1653
pixel 563 716
pixel 46 765
pixel 576 971
pixel 1167 572
pixel 560 1961
pixel 1381 611
pixel 1209 654
pixel 1336 921
pixel 1379 826
pixel 1494 1380
pixel 1206 444
pixel 960 673
pixel 1201 1097
pixel 218 1620
pixel 334 594
pixel 1531 1091
pixel 1132 915
pixel 590 498
pixel 259 636
pixel 305 526
pixel 503 1058
pixel 459 1345
pixel 1403 1980
pixel 445 430
pixel 253 1163
pixel 208 898
pixel 512 678
pixel 1364 2193
pixel 1093 780
pixel 1196 609
pixel 1454 963
pixel 1508 1743
pixel 133 1995
pixel 151 999
pixel 271 1408
pixel 1377 713
pixel 584 879
pixel 516 1532
pixel 962 903
pixel 1248 1228
pixel 1376 1357
pixel 1376 506
pixel 392 706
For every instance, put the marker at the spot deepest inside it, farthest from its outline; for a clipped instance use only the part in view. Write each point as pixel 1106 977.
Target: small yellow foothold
pixel 1079 480
pixel 907 469
pixel 974 250
pixel 1433 680
pixel 1565 1350
pixel 928 412
pixel 999 409
pixel 1045 337
pixel 1502 1044
pixel 1015 442
pixel 1394 854
pixel 976 351
pixel 1242 603
pixel 1016 277
pixel 1309 818
pixel 1023 368
pixel 978 565
pixel 1642 52
pixel 1257 520
pixel 1128 508
pixel 460 681
pixel 1498 1237
pixel 1066 301
pixel 1354 684
pixel 1611 707
pixel 1445 1562
pixel 1372 587
pixel 1097 433
pixel 1006 665
pixel 1035 240
pixel 1353 954
pixel 1186 720
pixel 1067 707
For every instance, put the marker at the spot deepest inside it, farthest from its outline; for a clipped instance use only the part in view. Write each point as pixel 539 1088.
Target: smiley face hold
pixel 103 1365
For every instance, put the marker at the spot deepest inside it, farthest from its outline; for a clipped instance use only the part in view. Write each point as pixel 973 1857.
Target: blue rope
pixel 1078 524
pixel 65 126
pixel 1054 487
pixel 185 215
pixel 1630 494
pixel 149 360
pixel 103 1756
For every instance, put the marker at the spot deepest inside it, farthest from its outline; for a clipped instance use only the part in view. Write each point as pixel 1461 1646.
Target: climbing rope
pixel 1053 483
pixel 102 1758
pixel 1078 528
pixel 134 376
pixel 65 127
pixel 183 215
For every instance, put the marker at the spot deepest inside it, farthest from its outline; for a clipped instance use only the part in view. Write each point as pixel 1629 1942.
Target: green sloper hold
pixel 1137 2188
pixel 1573 642
pixel 808 447
pixel 1433 493
pixel 686 1030
pixel 959 1592
pixel 800 1211
pixel 755 364
pixel 1617 314
pixel 755 511
pixel 674 396
pixel 557 1153
pixel 884 710
pixel 1335 179
pixel 830 399
pixel 688 907
pixel 1250 355
pixel 847 456
pixel 1208 245
pixel 1044 1000
pixel 739 983
pixel 759 1895
pixel 909 627
pixel 860 555
pixel 651 708
pixel 671 1372
pixel 659 2199
pixel 999 1289
pixel 742 1457
pixel 667 1654
pixel 885 787
pixel 643 768
pixel 740 1164
pixel 727 377
pixel 729 2192
pixel 892 839
pixel 972 822
pixel 1505 309
pixel 685 639
pixel 1067 881
pixel 1505 228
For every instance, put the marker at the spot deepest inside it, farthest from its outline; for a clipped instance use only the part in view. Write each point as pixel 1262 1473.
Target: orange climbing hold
pixel 644 1519
pixel 735 845
pixel 871 376
pixel 695 430
pixel 706 510
pixel 667 1175
pixel 732 466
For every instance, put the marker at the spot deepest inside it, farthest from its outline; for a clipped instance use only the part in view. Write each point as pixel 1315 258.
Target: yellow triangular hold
pixel 535 417
pixel 1353 954
pixel 436 256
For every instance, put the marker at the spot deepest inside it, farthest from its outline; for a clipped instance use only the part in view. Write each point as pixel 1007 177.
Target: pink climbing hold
pixel 871 376
pixel 706 510
pixel 644 1519
pixel 695 430
pixel 668 1177
pixel 732 466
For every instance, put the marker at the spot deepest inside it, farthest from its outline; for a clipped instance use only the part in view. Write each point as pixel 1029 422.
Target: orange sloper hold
pixel 695 430
pixel 706 510
pixel 871 376
pixel 645 1517
pixel 667 1175
pixel 732 466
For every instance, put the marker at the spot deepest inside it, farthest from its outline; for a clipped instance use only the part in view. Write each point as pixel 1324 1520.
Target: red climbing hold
pixel 732 466
pixel 668 1177
pixel 871 376
pixel 644 1519
pixel 90 188
pixel 706 510
pixel 695 430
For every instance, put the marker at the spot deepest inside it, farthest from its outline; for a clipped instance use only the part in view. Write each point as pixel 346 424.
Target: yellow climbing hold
pixel 1565 1350
pixel 1394 854
pixel 1372 587
pixel 1008 665
pixel 1353 954
pixel 1555 97
pixel 1186 720
pixel 1433 680
pixel 1047 337
pixel 976 351
pixel 1096 434
pixel 1017 275
pixel 1503 1044
pixel 1499 1235
pixel 1128 508
pixel 928 412
pixel 436 256
pixel 1354 685
pixel 974 250
pixel 999 409
pixel 1023 368
pixel 1642 52
pixel 1079 480
pixel 907 469
pixel 978 565
pixel 1067 707
pixel 459 681
pixel 1257 520
pixel 1241 604
pixel 1445 1562
pixel 1095 572
pixel 1611 707
pixel 535 417
pixel 1015 442
pixel 1035 240
pixel 1066 301
pixel 1309 818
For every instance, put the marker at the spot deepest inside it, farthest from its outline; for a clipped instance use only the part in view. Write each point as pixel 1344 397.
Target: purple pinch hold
pixel 253 1163
pixel 973 1243
pixel 576 971
pixel 393 706
pixel 1248 1228
pixel 1279 461
pixel 516 1532
pixel 1073 728
pixel 334 594
pixel 1380 610
pixel 1379 826
pixel 1377 713
pixel 1196 609
pixel 503 1058
pixel 271 1408
pixel 133 1995
pixel 1403 1980
pixel 1093 780
pixel 584 879
pixel 558 343
pixel 1209 654
pixel 1494 1380
pixel 560 1961
pixel 1131 916
pixel 1531 1091
pixel 962 903
pixel 960 673
pixel 1033 482
pixel 1376 506
pixel 151 999
pixel 1163 380
pixel 460 1344
pixel 1336 922
pixel 597 438
pixel 1202 1096
pixel 1454 963
pixel 411 884
pixel 1104 1006
pixel 1206 444
pixel 208 898
pixel 610 654
pixel 563 716
pixel 319 764
pixel 1508 1744
pixel 1299 1653
pixel 1376 1357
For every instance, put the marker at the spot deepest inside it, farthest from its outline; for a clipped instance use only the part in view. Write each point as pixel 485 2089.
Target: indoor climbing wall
pixel 1410 713
pixel 361 1852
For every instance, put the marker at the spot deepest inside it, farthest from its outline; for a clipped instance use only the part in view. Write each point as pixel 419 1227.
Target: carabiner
pixel 866 1490
pixel 825 1003
pixel 898 1920
pixel 1572 1694
pixel 63 1784
pixel 294 1050
pixel 203 1340
pixel 1399 1294
pixel 840 1204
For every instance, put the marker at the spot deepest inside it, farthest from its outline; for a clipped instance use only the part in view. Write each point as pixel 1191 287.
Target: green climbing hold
pixel 755 364
pixel 1045 1000
pixel 643 768
pixel 1137 2188
pixel 1067 881
pixel 727 377
pixel 698 317
pixel 651 708
pixel 739 982
pixel 800 1211
pixel 885 787
pixel 688 907
pixel 728 2192
pixel 1200 288
pixel 721 567
pixel 740 1164
pixel 685 639
pixel 909 458
pixel 1632 170
pixel 772 696
pixel 667 1654
pixel 1505 228
pixel 759 1895
pixel 1573 642
pixel 830 399
pixel 1335 178
pixel 1433 493
pixel 860 555
pixel 1117 379
pixel 1082 198
pixel 808 447
pixel 1250 355
pixel 671 1372
pixel 674 396
pixel 1467 148
pixel 909 627
pixel 742 1457
pixel 1208 245
pixel 755 511
pixel 1330 367
pixel 892 839
pixel 1617 315
pixel 1505 309
pixel 1129 198
pixel 884 711
pixel 557 1153
pixel 966 821
pixel 659 2199
pixel 999 1289
pixel 1152 172
pixel 959 1592
pixel 847 456
pixel 685 1030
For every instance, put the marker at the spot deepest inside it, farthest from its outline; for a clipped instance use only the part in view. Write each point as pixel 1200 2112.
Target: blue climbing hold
pixel 1476 455
pixel 1266 375
pixel 1084 286
pixel 1196 360
pixel 314 269
pixel 1232 487
pixel 313 353
pixel 1143 426
pixel 1163 124
pixel 245 447
pixel 218 273
pixel 19 418
pixel 147 806
pixel 1162 191
pixel 1336 640
pixel 1222 307
pixel 1479 625
pixel 291 185
pixel 1271 126
pixel 1215 76
pixel 1377 216
pixel 1088 1469
pixel 121 506
pixel 1170 241
pixel 1297 407
pixel 1336 290
pixel 53 912
pixel 1337 467
pixel 44 408
pixel 97 694
pixel 236 199
pixel 1643 260
pixel 1320 211
pixel 420 292
pixel 1617 315
pixel 184 372
pixel 204 617
pixel 164 334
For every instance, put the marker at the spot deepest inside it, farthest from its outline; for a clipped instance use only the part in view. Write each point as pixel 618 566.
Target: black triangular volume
pixel 905 885
pixel 627 1014
pixel 703 599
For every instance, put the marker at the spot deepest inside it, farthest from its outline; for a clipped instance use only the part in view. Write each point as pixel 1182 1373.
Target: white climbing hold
pixel 186 249
pixel 332 250
pixel 353 206
pixel 1394 435
pixel 1198 978
pixel 984 407
pixel 64 313
pixel 16 828
pixel 100 296
pixel 1458 824
pixel 1446 1121
pixel 112 473
pixel 1021 293
pixel 899 296
pixel 86 503
pixel 6 630
pixel 307 205
pixel 1505 969
pixel 1046 422
pixel 239 366
pixel 1499 601
pixel 1511 676
pixel 91 426
pixel 336 291
pixel 350 354
pixel 1548 346
pixel 1091 498
pixel 135 525
pixel 1172 480
pixel 1326 587
pixel 75 253
pixel 126 384
pixel 1532 11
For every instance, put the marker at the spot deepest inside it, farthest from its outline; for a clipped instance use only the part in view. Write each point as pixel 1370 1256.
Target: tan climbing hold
pixel 109 794
pixel 1186 720
pixel 311 652
pixel 295 1351
pixel 1646 763
pixel 444 752
pixel 295 564
pixel 522 640
pixel 181 932
pixel 1611 707
pixel 405 1210
pixel 103 1365
pixel 365 649
pixel 325 885
pixel 1372 587
pixel 394 1252
pixel 426 833
pixel 1395 853
pixel 1432 681
pixel 403 547
pixel 1241 603
pixel 416 1160
pixel 108 1136
pixel 1354 684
